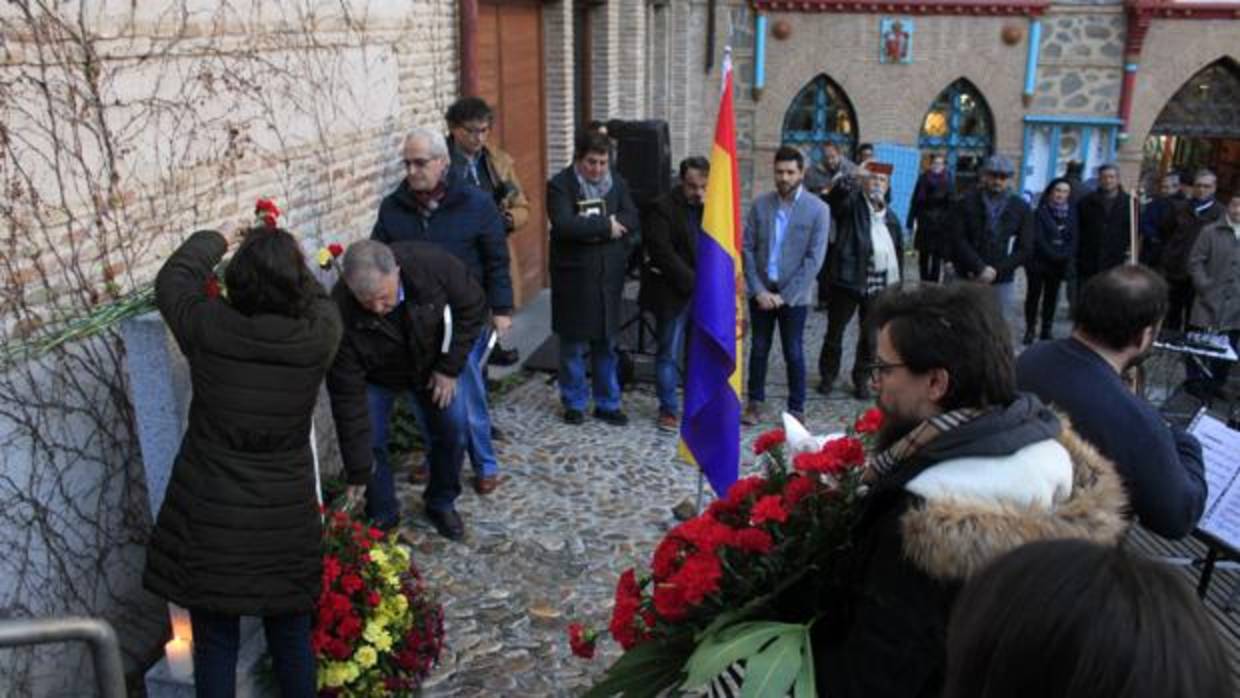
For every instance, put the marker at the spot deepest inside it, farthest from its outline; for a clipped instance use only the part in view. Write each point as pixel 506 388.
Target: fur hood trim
pixel 953 538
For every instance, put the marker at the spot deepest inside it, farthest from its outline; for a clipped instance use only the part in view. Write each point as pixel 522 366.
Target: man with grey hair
pixel 411 315
pixel 1179 233
pixel 430 206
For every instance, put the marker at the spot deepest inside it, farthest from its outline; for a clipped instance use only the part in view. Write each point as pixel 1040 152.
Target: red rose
pixel 869 422
pixel 769 508
pixel 581 640
pixel 798 488
pixel 753 540
pixel 765 442
pixel 741 489
pixel 335 249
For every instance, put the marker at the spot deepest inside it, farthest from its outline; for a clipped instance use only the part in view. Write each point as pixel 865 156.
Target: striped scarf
pixel 889 461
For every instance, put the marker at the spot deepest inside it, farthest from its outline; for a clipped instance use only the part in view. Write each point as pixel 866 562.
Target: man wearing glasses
pixel 429 206
pixel 967 468
pixel 994 231
pixel 493 171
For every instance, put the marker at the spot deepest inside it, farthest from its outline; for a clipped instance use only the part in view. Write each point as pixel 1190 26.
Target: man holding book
pixel 594 227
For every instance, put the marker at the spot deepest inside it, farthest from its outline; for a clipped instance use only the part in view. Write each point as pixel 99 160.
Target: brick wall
pixel 558 82
pixel 200 115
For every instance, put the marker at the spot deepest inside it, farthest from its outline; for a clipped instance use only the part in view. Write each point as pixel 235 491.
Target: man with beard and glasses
pixel 968 469
pixel 1116 320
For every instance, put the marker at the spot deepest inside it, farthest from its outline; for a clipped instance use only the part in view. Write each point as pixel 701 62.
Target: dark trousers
pixel 791 320
pixel 217 640
pixel 1043 288
pixel 1179 303
pixel 841 306
pixel 929 266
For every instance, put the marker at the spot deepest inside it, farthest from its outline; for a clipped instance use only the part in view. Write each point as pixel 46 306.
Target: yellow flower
pixel 378 556
pixel 324 257
pixel 334 674
pixel 366 656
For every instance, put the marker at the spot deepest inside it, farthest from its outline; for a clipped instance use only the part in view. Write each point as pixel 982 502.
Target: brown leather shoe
pixel 752 414
pixel 485 485
pixel 668 422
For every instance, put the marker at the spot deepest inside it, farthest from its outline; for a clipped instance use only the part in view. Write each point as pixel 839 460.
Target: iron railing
pixel 104 647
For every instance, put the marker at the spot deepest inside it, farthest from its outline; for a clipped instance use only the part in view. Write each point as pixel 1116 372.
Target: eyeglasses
pixel 878 370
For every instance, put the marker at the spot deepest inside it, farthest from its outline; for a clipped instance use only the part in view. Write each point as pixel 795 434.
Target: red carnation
pixel 752 540
pixel 373 598
pixel 869 422
pixel 848 451
pixel 798 488
pixel 703 532
pixel 581 640
pixel 339 649
pixel 699 577
pixel 213 286
pixel 267 212
pixel 335 249
pixel 669 601
pixel 666 557
pixel 351 583
pixel 331 568
pixel 770 439
pixel 628 601
pixel 741 489
pixel 350 627
pixel 769 508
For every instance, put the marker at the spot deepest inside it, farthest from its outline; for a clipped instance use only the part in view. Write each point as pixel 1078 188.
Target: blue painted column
pixel 1031 61
pixel 759 56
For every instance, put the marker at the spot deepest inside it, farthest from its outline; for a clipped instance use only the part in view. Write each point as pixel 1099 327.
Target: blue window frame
pixel 959 125
pixel 820 114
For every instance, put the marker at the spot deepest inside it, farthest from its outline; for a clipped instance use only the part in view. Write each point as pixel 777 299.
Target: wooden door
pixel 510 79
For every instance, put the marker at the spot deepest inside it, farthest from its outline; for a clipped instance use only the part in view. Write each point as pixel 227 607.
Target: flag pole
pixel 701 483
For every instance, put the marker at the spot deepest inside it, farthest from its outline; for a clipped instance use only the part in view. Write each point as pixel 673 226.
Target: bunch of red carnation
pixel 367 641
pixel 767 529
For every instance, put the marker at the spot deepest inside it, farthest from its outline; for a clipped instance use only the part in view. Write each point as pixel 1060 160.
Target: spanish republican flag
pixel 710 433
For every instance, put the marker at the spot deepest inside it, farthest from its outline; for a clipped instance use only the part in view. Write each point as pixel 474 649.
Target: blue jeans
pixel 217 642
pixel 671 335
pixel 471 386
pixel 446 429
pixel 603 364
pixel 791 320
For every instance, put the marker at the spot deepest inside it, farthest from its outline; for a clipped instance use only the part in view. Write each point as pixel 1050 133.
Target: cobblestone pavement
pixel 578 505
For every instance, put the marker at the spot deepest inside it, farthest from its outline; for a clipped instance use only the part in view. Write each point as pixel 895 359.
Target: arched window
pixel 821 113
pixel 959 125
pixel 1200 127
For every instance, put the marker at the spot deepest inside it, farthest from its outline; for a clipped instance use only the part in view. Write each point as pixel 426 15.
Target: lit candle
pixel 180 658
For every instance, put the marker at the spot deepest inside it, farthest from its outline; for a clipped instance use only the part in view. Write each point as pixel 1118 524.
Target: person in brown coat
pixel 1179 233
pixel 1214 265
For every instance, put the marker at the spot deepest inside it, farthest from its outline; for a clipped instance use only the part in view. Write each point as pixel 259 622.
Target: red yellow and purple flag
pixel 710 432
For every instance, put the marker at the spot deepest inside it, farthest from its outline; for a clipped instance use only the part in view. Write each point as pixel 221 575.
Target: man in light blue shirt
pixel 784 244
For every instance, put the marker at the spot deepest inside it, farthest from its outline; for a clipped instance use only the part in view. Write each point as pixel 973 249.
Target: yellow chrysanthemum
pixel 366 656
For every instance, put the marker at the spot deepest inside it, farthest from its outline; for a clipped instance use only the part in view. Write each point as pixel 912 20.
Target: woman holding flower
pixel 239 530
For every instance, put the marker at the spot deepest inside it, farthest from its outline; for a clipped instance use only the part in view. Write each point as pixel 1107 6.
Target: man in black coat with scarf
pixel 670 242
pixel 864 259
pixel 594 227
pixel 411 313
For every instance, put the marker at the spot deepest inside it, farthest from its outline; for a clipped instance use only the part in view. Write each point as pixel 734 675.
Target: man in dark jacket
pixel 967 470
pixel 994 231
pixel 1179 233
pixel 865 259
pixel 594 226
pixel 1155 214
pixel 428 206
pixel 1117 319
pixel 411 314
pixel 1105 216
pixel 670 239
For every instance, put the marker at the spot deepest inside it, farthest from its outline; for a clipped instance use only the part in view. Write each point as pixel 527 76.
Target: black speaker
pixel 643 157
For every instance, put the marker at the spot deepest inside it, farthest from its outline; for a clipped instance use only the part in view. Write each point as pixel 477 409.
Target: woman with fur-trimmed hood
pixel 967 470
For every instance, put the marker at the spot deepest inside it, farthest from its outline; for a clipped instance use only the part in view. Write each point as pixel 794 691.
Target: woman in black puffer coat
pixel 1055 234
pixel 239 531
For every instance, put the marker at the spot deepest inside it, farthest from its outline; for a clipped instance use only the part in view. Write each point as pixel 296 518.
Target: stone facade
pixel 1079 67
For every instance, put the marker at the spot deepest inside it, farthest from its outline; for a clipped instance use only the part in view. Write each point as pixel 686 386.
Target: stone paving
pixel 579 504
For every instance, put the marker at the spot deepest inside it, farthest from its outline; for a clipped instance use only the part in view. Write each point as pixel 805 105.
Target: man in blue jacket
pixel 1117 317
pixel 429 206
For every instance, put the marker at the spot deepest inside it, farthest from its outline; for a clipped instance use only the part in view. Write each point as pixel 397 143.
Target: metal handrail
pixel 104 647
